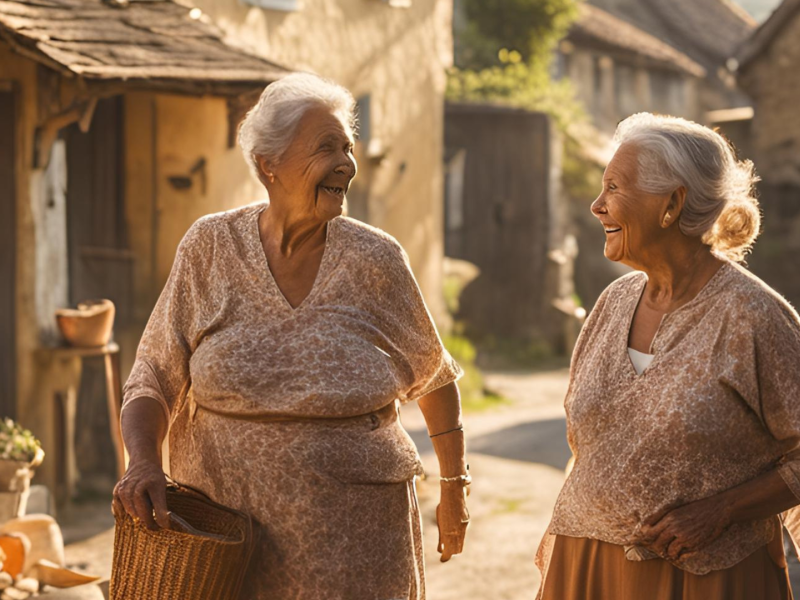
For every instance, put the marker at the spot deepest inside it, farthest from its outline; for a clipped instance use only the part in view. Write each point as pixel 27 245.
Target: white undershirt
pixel 640 360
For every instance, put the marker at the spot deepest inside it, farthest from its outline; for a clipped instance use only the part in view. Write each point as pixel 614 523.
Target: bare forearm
pixel 759 498
pixel 442 411
pixel 144 427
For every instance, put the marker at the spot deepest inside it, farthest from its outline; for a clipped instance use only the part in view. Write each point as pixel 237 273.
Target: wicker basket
pixel 207 564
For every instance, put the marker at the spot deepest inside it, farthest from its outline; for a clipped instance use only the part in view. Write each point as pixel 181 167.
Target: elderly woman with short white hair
pixel 276 357
pixel 683 408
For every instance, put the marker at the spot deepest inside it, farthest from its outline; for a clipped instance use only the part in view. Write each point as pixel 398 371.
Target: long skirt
pixel 320 536
pixel 586 569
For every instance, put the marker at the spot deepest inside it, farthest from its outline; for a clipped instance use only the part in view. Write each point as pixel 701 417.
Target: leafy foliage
pixel 520 85
pixel 505 52
pixel 529 27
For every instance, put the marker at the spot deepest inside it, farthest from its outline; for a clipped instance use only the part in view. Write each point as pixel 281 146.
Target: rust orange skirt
pixel 585 569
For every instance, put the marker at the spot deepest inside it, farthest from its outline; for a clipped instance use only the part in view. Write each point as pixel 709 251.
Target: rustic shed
pixel 117 120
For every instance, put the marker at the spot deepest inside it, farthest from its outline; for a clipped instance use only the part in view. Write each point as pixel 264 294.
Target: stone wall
pixel 773 81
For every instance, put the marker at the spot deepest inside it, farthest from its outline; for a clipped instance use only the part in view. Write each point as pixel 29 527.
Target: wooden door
pixel 8 254
pixel 100 266
pixel 100 263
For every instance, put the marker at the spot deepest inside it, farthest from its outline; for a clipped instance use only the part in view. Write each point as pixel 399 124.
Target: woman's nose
pixel 599 205
pixel 347 167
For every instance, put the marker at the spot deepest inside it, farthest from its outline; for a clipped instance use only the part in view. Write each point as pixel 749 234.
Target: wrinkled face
pixel 631 218
pixel 316 169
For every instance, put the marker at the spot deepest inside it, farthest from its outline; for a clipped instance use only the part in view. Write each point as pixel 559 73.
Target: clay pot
pixel 89 325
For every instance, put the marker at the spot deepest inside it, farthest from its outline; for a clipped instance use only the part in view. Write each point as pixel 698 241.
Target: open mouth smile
pixel 333 191
pixel 610 230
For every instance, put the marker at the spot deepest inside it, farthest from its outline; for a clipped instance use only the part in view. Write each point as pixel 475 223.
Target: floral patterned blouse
pixel 718 406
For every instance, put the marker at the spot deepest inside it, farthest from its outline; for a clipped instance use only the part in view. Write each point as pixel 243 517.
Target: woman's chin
pixel 612 253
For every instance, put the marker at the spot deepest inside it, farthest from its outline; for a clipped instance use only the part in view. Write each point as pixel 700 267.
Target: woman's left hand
pixel 675 532
pixel 452 517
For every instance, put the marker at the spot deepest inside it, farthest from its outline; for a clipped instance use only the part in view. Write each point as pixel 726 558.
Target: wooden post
pixel 114 399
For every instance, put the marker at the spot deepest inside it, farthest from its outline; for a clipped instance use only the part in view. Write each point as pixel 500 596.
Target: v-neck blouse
pixel 718 405
pixel 223 333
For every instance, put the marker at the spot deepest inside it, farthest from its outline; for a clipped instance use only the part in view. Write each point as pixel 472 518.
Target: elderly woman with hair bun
pixel 275 359
pixel 683 407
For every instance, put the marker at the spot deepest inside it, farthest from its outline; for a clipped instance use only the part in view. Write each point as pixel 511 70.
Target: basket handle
pixel 178 485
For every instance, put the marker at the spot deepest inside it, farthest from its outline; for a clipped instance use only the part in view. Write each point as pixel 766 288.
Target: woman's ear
pixel 674 207
pixel 264 170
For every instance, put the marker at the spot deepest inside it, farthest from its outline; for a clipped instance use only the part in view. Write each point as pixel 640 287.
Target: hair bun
pixel 737 227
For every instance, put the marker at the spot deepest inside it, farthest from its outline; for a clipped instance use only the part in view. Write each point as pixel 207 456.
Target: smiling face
pixel 633 220
pixel 315 171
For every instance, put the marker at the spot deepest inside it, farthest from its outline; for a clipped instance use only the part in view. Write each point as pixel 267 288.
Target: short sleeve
pixel 424 363
pixel 777 353
pixel 161 367
pixel 762 349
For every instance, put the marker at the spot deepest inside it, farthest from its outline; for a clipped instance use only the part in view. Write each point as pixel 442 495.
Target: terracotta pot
pixel 89 325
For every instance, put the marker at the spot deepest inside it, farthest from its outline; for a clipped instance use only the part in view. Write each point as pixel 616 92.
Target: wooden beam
pixel 46 133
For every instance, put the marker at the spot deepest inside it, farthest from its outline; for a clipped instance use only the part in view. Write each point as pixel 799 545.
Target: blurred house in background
pixel 618 69
pixel 116 136
pixel 117 131
pixel 708 31
pixel 769 73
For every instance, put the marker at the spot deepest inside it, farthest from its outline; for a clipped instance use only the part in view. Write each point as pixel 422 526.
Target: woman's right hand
pixel 141 492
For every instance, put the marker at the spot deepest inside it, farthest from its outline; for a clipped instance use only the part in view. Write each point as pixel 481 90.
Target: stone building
pixel 769 73
pixel 117 131
pixel 708 31
pixel 618 69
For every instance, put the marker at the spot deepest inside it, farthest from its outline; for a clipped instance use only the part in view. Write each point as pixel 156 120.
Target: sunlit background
pixel 485 126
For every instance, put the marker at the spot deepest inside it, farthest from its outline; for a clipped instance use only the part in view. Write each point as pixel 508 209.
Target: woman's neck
pixel 678 274
pixel 290 231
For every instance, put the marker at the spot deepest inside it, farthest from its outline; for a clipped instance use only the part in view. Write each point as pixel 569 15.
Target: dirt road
pixel 517 456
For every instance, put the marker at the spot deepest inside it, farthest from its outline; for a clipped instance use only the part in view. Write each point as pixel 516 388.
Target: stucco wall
pixel 396 55
pixel 41 284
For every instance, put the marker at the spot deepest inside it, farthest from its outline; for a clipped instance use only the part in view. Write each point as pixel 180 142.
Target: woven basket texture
pixel 173 565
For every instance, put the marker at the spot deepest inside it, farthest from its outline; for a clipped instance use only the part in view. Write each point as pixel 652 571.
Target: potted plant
pixel 20 454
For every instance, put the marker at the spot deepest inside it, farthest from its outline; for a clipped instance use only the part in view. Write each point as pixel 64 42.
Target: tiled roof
pixel 709 31
pixel 600 27
pixel 153 43
pixel 768 31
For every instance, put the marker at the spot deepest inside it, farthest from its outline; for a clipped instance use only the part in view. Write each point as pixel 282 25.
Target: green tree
pixel 529 27
pixel 506 50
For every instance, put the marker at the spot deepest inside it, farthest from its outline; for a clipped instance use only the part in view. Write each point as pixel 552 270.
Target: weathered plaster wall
pixel 398 56
pixel 40 277
pixel 164 136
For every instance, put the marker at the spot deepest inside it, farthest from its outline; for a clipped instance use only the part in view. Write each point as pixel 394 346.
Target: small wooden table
pixel 111 354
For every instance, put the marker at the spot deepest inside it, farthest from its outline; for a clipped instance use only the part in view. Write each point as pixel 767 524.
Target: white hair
pixel 720 206
pixel 269 126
